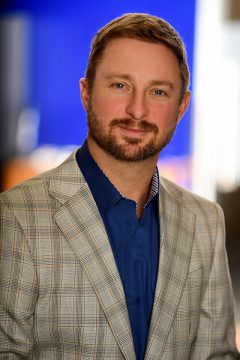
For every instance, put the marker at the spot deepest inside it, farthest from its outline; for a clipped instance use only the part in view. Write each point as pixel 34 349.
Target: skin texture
pixel 133 110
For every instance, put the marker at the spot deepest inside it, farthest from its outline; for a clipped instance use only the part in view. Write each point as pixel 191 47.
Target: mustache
pixel 140 124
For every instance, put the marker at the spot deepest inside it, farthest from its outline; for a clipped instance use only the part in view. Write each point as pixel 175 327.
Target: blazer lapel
pixel 82 226
pixel 177 229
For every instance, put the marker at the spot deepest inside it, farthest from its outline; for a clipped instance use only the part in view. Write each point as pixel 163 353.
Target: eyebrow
pixel 151 83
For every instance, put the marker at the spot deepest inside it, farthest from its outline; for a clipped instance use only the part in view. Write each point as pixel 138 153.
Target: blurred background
pixel 44 48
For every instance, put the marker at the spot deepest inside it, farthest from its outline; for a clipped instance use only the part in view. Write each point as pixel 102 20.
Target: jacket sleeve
pixel 216 332
pixel 18 289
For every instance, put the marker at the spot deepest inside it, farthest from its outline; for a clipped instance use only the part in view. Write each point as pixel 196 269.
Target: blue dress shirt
pixel 135 243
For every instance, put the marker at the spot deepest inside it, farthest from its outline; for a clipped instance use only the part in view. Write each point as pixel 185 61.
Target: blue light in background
pixel 61 37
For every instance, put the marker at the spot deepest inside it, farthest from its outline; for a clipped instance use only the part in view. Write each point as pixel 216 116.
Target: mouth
pixel 134 132
pixel 134 129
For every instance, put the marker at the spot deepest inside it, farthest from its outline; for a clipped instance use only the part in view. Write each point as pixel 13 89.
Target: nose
pixel 137 106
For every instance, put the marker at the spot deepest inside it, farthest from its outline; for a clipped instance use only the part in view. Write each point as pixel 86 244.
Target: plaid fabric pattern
pixel 61 296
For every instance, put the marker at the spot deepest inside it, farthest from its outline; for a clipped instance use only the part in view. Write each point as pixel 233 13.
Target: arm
pixel 216 332
pixel 18 289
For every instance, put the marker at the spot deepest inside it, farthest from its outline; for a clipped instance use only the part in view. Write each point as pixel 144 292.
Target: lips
pixel 129 126
pixel 134 130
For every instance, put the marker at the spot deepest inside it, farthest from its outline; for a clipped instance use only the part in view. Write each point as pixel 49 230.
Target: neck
pixel 132 179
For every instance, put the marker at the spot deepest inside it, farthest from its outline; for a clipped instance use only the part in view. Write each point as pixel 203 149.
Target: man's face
pixel 134 105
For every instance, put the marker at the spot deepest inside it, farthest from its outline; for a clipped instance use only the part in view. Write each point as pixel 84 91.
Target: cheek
pixel 109 108
pixel 164 116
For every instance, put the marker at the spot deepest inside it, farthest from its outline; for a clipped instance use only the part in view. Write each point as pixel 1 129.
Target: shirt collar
pixel 103 185
pixel 98 183
pixel 154 189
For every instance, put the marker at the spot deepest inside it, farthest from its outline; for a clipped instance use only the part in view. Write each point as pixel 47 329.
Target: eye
pixel 118 86
pixel 159 92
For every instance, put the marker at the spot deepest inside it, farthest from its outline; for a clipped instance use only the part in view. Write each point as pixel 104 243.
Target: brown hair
pixel 142 27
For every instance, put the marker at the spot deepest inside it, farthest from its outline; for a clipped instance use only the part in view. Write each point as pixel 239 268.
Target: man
pixel 99 258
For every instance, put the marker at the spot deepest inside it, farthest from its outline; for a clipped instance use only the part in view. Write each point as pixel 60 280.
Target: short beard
pixel 108 142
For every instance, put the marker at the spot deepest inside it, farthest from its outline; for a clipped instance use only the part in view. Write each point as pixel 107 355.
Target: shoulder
pixel 200 206
pixel 36 189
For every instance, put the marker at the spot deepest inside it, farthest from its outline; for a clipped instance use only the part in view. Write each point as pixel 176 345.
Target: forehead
pixel 139 58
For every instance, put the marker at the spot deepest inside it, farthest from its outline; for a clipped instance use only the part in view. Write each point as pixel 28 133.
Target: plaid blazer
pixel 61 296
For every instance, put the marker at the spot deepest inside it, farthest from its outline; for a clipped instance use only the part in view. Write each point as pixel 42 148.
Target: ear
pixel 84 93
pixel 184 105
